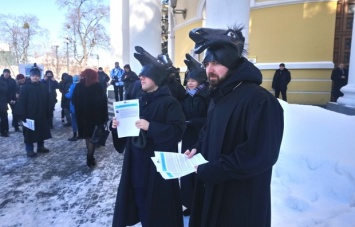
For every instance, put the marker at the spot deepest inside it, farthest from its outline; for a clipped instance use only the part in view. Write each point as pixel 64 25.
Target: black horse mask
pixel 196 71
pixel 223 46
pixel 151 66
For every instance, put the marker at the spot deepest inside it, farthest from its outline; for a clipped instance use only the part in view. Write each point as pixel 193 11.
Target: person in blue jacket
pixel 69 95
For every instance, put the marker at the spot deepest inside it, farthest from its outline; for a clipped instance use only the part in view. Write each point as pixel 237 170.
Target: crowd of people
pixel 222 113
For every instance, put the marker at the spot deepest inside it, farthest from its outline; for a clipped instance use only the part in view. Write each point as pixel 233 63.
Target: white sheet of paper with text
pixel 127 113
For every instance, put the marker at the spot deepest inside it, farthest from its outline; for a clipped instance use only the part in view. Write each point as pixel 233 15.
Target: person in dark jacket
pixel 241 139
pixel 10 98
pixel 90 106
pixel 129 77
pixel 4 122
pixel 65 102
pixel 143 195
pixel 52 85
pixel 282 78
pixel 103 79
pixel 195 106
pixel 21 81
pixel 340 78
pixel 35 104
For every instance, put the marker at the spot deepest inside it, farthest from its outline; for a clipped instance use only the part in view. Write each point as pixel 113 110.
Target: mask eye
pixel 231 34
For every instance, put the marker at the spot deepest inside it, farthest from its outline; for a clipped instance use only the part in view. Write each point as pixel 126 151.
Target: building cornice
pixel 260 5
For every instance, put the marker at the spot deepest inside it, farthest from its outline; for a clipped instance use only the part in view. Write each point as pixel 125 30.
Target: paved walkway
pixel 57 188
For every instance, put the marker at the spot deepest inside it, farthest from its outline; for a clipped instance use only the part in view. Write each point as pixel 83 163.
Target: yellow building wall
pixel 289 33
pixel 296 33
pixel 183 43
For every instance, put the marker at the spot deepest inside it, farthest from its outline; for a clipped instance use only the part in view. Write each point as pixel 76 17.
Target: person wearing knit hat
pixel 195 105
pixel 69 95
pixel 242 137
pixel 34 104
pixel 144 196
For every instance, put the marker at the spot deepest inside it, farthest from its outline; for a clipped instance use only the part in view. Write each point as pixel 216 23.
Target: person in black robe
pixel 195 105
pixel 241 139
pixel 143 195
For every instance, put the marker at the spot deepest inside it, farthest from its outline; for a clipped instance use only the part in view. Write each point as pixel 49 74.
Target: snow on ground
pixel 314 179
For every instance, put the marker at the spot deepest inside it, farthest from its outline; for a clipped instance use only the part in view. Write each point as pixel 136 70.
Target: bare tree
pixel 19 32
pixel 85 29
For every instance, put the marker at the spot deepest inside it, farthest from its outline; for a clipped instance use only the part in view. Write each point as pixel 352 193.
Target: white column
pixel 227 13
pixel 349 90
pixel 135 23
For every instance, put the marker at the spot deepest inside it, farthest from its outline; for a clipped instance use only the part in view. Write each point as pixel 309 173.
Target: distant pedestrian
pixel 282 78
pixel 90 109
pixel 103 79
pixel 10 97
pixel 52 85
pixel 21 81
pixel 35 104
pixel 69 95
pixel 4 122
pixel 340 79
pixel 65 102
pixel 117 81
pixel 129 77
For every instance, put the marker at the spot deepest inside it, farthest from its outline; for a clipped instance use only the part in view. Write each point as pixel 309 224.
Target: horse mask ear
pixel 196 70
pixel 207 37
pixel 151 66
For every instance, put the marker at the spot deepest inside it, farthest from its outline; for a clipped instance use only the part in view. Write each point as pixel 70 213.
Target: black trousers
pixel 120 90
pixel 15 117
pixel 283 94
pixel 4 125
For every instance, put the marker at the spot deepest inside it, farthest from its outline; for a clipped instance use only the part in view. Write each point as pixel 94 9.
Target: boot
pixel 74 138
pixel 42 150
pixel 90 161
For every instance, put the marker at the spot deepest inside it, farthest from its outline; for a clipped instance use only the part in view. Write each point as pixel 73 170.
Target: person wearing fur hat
pixel 35 104
pixel 69 95
pixel 195 105
pixel 143 195
pixel 241 139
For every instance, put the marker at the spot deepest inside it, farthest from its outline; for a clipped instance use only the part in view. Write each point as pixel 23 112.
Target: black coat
pixel 129 78
pixel 34 103
pixel 11 88
pixel 241 141
pixel 65 103
pixel 103 79
pixel 281 79
pixel 52 86
pixel 195 110
pixel 3 100
pixel 90 108
pixel 338 81
pixel 162 200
